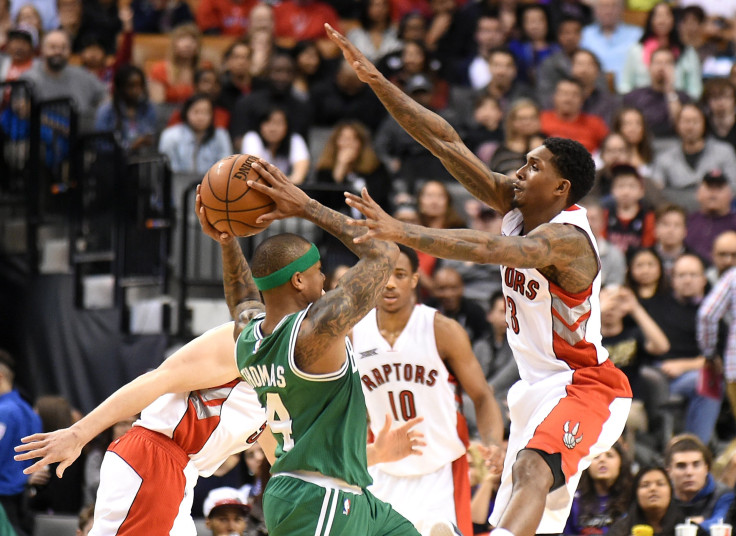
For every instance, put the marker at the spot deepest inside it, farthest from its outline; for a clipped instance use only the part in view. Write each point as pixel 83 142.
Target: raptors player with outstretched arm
pixel 411 359
pixel 571 402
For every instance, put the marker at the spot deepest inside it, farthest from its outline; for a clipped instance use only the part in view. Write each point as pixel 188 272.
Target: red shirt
pixel 304 20
pixel 225 16
pixel 590 130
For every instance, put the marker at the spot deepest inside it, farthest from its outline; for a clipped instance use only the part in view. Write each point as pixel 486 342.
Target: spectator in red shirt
pixel 226 17
pixel 172 80
pixel 304 19
pixel 566 119
pixel 629 224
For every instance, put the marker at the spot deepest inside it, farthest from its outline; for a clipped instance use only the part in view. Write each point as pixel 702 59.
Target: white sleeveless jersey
pixel 405 381
pixel 549 329
pixel 209 424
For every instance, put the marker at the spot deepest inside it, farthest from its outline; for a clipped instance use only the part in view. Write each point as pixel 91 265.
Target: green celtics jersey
pixel 319 420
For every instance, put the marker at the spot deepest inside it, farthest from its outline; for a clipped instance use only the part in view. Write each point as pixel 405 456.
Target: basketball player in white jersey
pixel 404 351
pixel 571 402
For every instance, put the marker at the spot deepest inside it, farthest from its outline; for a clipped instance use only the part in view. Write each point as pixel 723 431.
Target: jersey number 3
pixel 279 419
pixel 511 304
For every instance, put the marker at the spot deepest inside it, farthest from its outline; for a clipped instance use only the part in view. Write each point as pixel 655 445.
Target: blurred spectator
pixel 261 18
pixel 653 505
pixel 691 29
pixel 660 103
pixel 130 114
pixel 719 100
pixel 416 60
pixel 235 80
pixel 609 38
pixel 695 491
pixel 629 223
pixel 567 120
pixel 376 36
pixel 344 97
pixel 679 170
pixel 47 492
pixel 54 78
pixel 263 45
pixel 485 134
pixel 603 495
pixel 561 10
pixel 28 14
pixel 311 68
pixel 613 262
pixel 504 85
pixel 304 19
pixel 86 519
pixel 20 50
pixel 598 99
pixel 720 305
pixel 194 145
pixel 723 255
pixel 172 80
pixel 93 459
pixel 160 16
pixel 206 83
pixel 521 135
pixel 645 275
pixel 226 511
pixel 614 151
pixel 447 293
pixel 94 56
pixel 401 9
pixel 670 230
pixel 17 420
pixel 632 125
pixel 713 216
pixel 276 143
pixel 489 35
pixel 676 312
pixel 101 18
pixel 224 17
pixel 46 11
pixel 660 32
pixel 278 91
pixel 70 20
pixel 447 37
pixel 558 64
pixel 535 42
pixel 6 21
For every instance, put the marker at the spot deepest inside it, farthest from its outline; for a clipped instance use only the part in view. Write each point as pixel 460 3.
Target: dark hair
pixel 120 80
pixel 452 220
pixel 264 115
pixel 673 38
pixel 522 9
pixel 633 285
pixel 687 443
pixel 405 20
pixel 7 362
pixel 209 133
pixel 644 147
pixel 569 80
pixel 199 73
pixel 364 18
pixel 574 163
pixel 619 494
pixel 411 255
pixel 637 516
pixel 276 252
pixel 703 117
pixel 714 87
pixel 695 11
pixel 501 50
pixel 589 53
pixel 229 51
pixel 55 412
pixel 624 170
pixel 669 208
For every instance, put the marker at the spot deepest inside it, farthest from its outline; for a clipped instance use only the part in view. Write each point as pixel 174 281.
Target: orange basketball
pixel 230 204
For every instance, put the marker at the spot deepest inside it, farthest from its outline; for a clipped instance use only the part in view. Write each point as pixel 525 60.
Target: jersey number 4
pixel 406 405
pixel 279 419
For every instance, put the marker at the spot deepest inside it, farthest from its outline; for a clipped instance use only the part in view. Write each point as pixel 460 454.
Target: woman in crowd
pixel 194 145
pixel 376 36
pixel 603 495
pixel 130 114
pixel 235 79
pixel 536 41
pixel 276 143
pixel 629 123
pixel 29 15
pixel 416 59
pixel 311 67
pixel 6 21
pixel 645 274
pixel 661 31
pixel 521 129
pixel 172 79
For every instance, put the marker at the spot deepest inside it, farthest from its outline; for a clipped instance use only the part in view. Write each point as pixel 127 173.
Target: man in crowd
pixel 226 512
pixel 723 255
pixel 714 215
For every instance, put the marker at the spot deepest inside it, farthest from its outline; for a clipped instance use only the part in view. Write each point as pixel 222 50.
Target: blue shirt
pixel 610 49
pixel 17 420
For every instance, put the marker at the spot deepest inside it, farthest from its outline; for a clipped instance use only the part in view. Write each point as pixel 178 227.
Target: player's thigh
pixel 387 521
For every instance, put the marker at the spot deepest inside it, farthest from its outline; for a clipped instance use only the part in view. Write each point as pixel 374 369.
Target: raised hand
pixel 289 198
pixel 393 445
pixel 362 66
pixel 204 223
pixel 63 446
pixel 379 224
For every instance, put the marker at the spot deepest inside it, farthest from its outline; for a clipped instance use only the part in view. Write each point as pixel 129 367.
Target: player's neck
pixel 392 324
pixel 534 217
pixel 277 309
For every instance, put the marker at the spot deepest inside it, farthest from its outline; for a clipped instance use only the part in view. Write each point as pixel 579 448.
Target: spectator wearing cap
pixel 19 52
pixel 17 420
pixel 679 170
pixel 714 214
pixel 226 511
pixel 567 120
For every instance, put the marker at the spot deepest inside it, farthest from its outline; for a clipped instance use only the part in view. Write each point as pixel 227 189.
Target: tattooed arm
pixel 432 131
pixel 320 347
pixel 241 294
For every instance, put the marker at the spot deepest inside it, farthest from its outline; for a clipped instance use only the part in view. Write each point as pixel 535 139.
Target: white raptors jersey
pixel 209 424
pixel 405 381
pixel 551 330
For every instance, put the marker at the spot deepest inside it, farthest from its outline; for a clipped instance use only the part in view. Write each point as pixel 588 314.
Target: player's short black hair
pixel 276 252
pixel 411 255
pixel 7 362
pixel 574 163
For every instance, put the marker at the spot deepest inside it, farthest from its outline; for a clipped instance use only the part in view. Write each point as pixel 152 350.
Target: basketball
pixel 230 204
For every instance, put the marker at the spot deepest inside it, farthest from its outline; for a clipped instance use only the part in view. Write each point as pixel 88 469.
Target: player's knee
pixel 533 470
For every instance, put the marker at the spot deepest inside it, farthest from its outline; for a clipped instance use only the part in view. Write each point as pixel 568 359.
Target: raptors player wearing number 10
pixel 403 353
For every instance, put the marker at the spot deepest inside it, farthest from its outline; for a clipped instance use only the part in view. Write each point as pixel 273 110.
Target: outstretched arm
pixel 204 362
pixel 432 131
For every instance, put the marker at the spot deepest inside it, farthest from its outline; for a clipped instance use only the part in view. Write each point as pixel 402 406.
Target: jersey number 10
pixel 405 404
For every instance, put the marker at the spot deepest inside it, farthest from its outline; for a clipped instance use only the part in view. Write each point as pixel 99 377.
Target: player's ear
pixel 563 188
pixel 415 279
pixel 297 281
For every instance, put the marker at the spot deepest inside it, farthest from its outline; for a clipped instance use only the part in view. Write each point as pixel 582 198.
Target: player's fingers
pixel 276 174
pixel 386 423
pixel 62 467
pixel 260 186
pixel 40 464
pixel 264 173
pixel 33 438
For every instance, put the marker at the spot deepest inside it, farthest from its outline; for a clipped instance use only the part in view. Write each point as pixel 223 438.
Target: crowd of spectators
pixel 654 102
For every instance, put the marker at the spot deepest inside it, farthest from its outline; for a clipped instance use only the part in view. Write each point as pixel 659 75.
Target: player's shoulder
pixel 444 326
